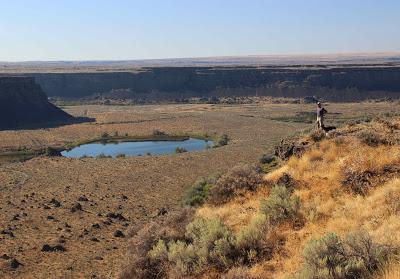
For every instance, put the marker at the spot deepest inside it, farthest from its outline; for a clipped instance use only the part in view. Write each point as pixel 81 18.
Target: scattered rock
pixel 46 248
pixel 290 147
pixel 107 222
pixel 8 232
pixel 50 217
pixel 83 198
pixel 98 258
pixel 94 239
pixel 5 257
pixel 118 233
pixel 56 248
pixel 124 197
pixel 96 226
pixel 117 216
pixel 76 207
pixel 162 211
pixel 55 202
pixel 14 263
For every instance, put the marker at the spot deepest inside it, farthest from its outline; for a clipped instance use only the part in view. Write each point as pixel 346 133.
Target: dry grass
pixel 389 271
pixel 328 205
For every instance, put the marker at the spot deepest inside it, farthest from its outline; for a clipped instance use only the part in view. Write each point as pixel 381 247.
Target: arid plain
pixel 39 197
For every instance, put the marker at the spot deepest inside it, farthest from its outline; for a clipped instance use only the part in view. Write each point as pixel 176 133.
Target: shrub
pixel 166 228
pixel 223 140
pixel 250 241
pixel 158 133
pixel 120 155
pixel 199 192
pixel 317 135
pixel 179 150
pixel 211 239
pixel 236 182
pixel 206 243
pixel 239 273
pixel 371 138
pixel 266 159
pixel 103 156
pixel 159 251
pixel 52 152
pixel 324 256
pixel 287 180
pixel 105 135
pixel 280 205
pixel 358 182
pixel 182 256
pixel 331 257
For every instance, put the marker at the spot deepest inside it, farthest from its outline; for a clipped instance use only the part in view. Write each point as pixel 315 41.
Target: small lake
pixel 136 148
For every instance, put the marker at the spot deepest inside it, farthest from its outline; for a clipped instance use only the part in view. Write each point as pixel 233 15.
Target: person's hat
pixel 318 103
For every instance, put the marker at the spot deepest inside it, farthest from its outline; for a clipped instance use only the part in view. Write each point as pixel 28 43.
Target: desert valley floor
pixel 38 201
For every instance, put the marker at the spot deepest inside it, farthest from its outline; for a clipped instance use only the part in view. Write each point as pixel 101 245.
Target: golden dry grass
pixel 326 204
pixel 327 207
pixel 389 271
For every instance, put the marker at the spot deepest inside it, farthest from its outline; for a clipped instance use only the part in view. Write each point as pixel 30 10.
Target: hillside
pixel 23 103
pixel 329 211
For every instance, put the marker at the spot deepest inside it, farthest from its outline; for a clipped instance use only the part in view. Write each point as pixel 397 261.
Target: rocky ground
pixel 70 218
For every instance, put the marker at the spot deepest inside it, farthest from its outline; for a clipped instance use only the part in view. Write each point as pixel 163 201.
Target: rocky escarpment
pixel 23 103
pixel 333 83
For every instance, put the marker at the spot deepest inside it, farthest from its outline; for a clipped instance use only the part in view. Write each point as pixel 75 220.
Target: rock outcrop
pixel 332 83
pixel 23 103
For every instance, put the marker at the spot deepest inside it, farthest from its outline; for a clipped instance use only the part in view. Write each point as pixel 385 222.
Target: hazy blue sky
pixel 129 29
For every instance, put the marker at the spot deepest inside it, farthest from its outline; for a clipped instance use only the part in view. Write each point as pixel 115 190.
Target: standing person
pixel 321 111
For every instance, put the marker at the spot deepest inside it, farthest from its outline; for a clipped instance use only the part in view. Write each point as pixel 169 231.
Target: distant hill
pixel 247 60
pixel 23 103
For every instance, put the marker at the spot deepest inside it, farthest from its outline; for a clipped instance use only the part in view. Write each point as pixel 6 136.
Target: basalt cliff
pixel 179 83
pixel 23 103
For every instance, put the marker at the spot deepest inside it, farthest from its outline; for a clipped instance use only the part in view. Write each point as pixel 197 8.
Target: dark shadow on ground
pixel 52 124
pixel 329 128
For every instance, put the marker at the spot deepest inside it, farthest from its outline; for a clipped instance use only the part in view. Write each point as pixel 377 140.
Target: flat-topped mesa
pixel 23 103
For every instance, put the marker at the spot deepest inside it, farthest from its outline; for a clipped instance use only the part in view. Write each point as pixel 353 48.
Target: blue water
pixel 135 148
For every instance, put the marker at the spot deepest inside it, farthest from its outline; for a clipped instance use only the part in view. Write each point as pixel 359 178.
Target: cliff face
pixel 22 103
pixel 339 83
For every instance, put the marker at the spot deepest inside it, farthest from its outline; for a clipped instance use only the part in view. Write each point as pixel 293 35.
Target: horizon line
pixel 375 53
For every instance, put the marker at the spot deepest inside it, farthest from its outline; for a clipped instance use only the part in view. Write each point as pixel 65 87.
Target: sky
pixel 46 30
